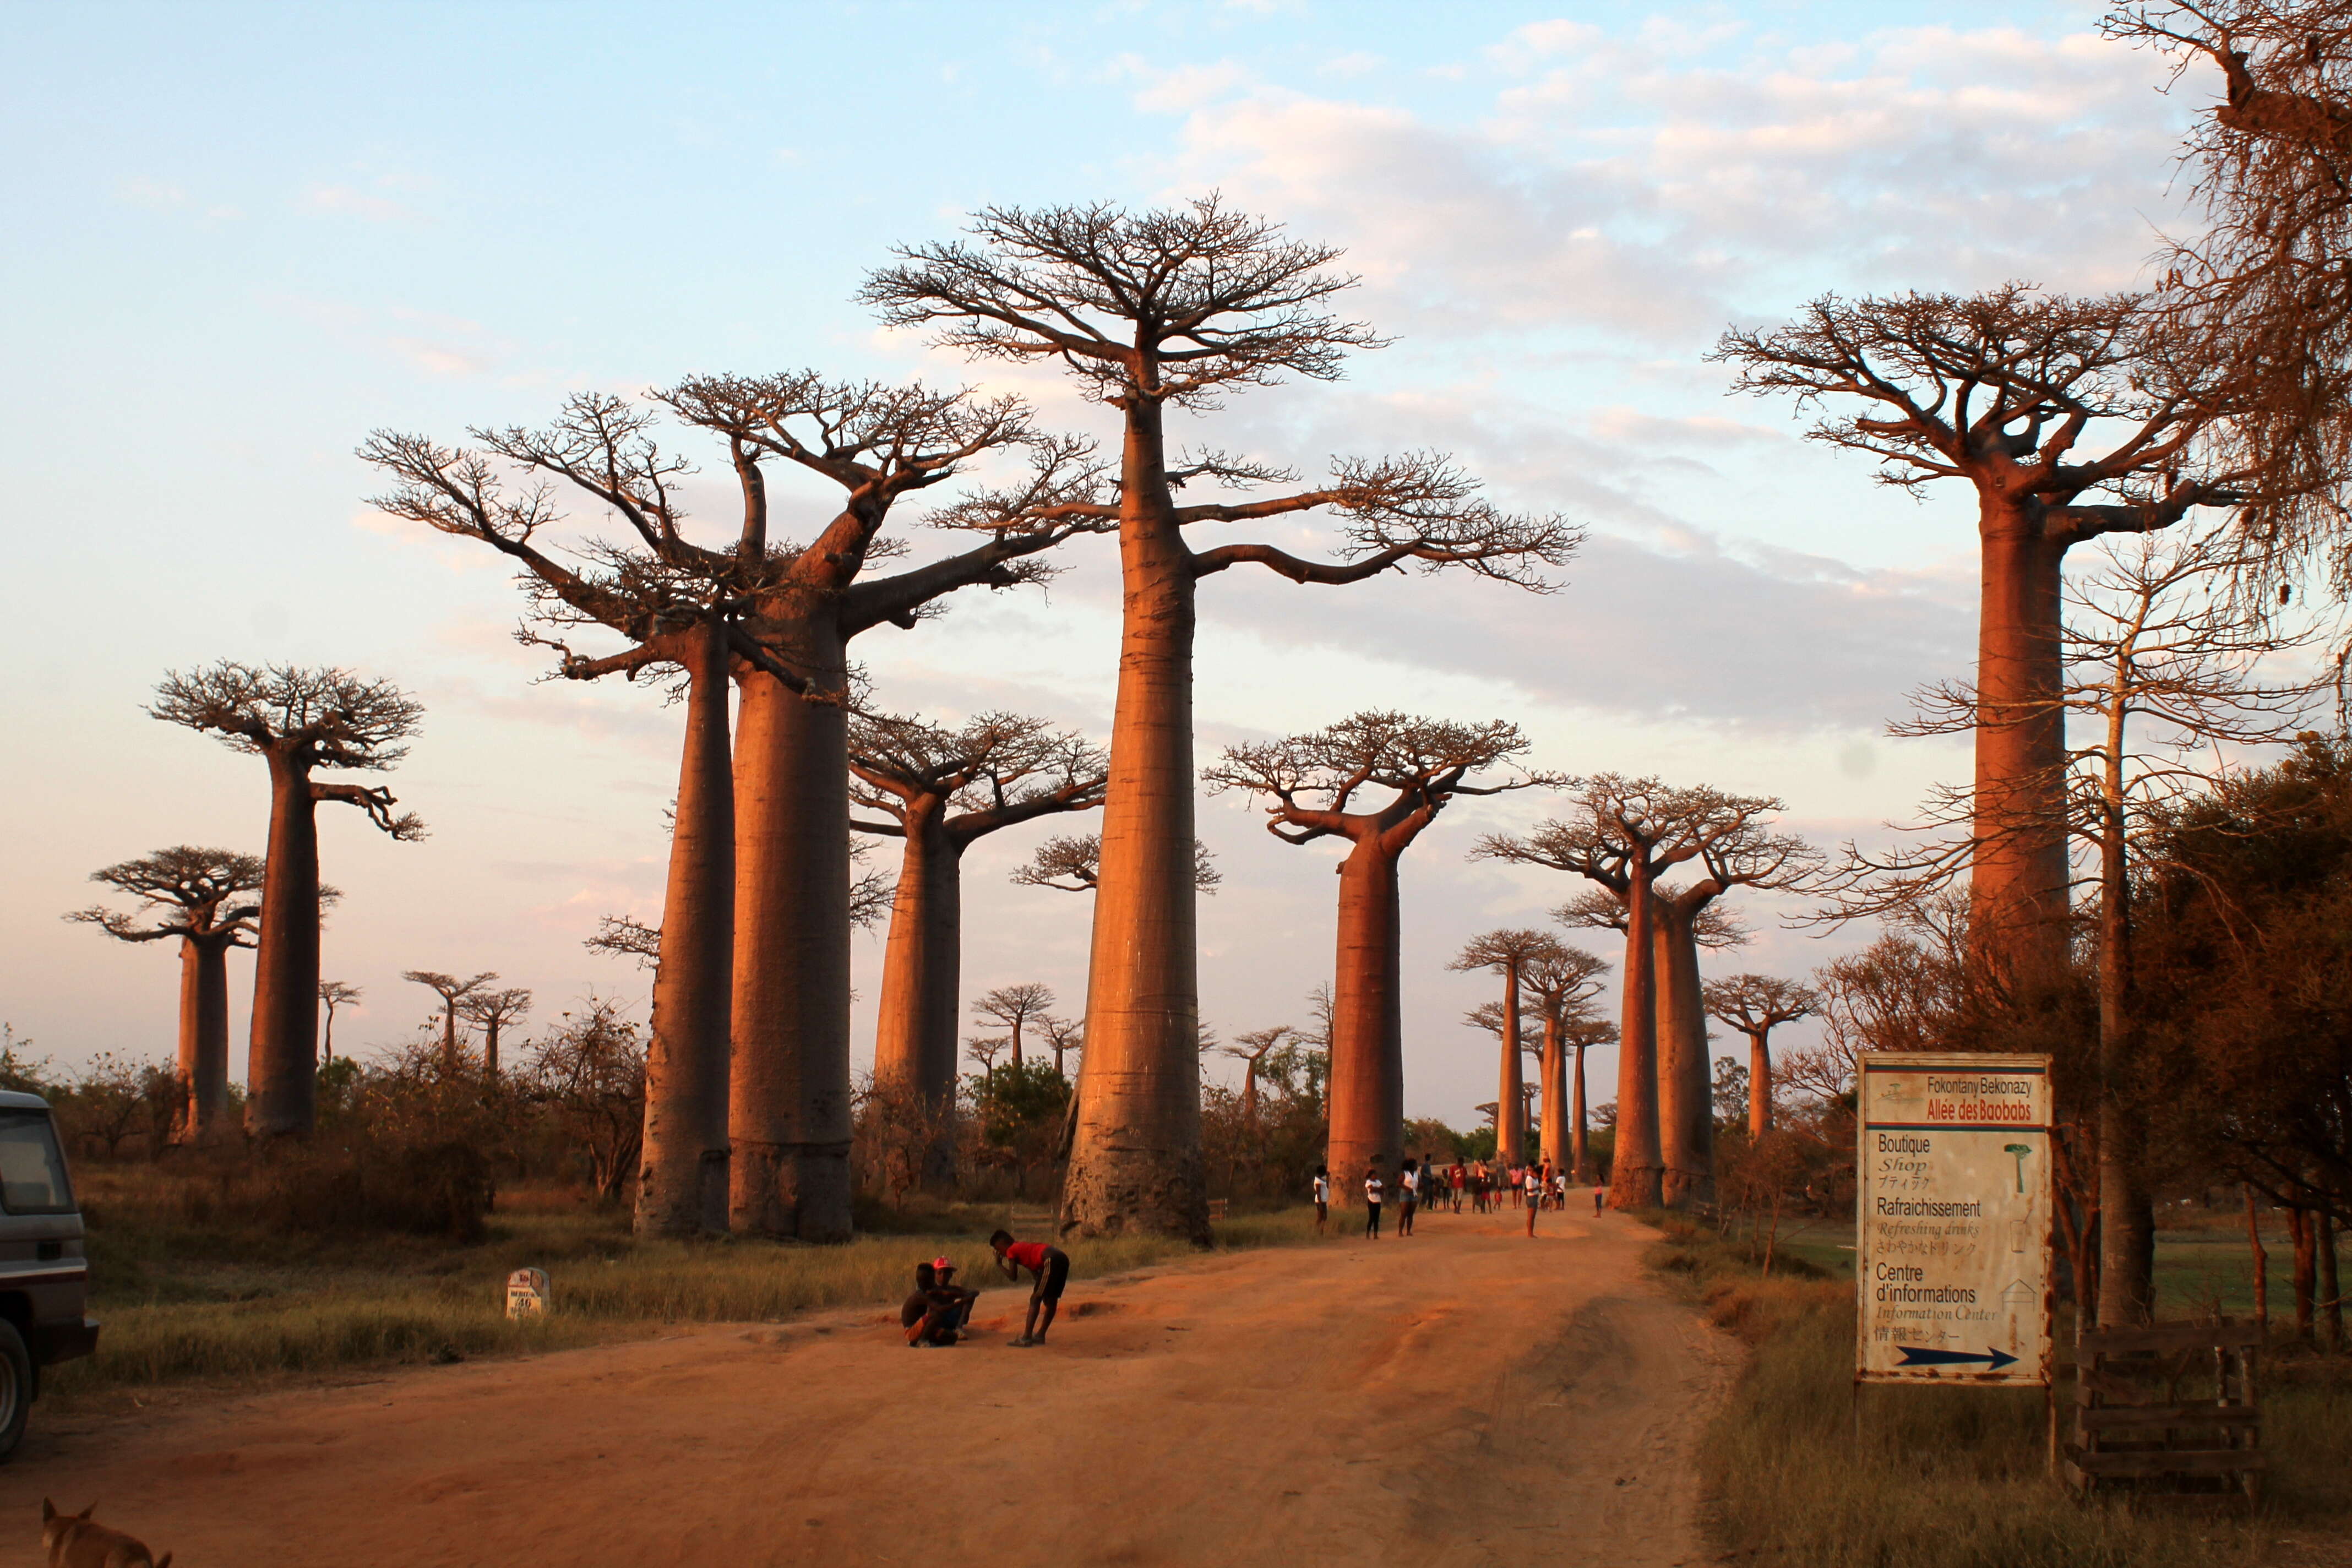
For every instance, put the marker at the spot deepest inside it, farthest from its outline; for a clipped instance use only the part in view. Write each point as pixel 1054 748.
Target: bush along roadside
pixel 1944 1478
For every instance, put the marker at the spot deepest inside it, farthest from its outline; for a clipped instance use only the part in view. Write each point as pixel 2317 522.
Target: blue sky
pixel 243 236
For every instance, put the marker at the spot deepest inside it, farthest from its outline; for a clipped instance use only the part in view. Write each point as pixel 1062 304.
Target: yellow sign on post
pixel 526 1293
pixel 1953 1233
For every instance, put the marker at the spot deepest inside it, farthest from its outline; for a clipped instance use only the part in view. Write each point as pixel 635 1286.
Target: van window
pixel 32 1172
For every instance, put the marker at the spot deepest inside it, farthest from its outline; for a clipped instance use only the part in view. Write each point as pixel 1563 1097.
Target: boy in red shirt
pixel 1051 1266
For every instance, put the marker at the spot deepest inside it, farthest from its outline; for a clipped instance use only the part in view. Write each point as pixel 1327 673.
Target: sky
pixel 244 237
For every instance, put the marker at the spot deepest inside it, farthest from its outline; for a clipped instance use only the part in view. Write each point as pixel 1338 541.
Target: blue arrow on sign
pixel 1919 1355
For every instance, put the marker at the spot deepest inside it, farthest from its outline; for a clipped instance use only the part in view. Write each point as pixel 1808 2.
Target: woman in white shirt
pixel 1322 1198
pixel 1373 1192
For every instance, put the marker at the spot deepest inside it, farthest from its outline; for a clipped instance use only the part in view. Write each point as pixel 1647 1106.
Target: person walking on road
pixel 1457 1179
pixel 1407 1196
pixel 1530 1178
pixel 1372 1191
pixel 1322 1198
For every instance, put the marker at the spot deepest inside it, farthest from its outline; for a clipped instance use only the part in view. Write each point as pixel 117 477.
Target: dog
pixel 75 1541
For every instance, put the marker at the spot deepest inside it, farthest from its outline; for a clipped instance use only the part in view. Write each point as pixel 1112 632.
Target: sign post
pixel 1954 1223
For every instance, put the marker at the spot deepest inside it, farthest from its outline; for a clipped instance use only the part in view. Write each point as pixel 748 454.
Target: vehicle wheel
pixel 15 1387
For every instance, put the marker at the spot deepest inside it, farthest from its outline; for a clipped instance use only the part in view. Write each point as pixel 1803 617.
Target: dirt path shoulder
pixel 1459 1398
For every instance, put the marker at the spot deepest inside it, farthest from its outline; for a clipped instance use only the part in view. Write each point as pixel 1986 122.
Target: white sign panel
pixel 526 1293
pixel 1952 1239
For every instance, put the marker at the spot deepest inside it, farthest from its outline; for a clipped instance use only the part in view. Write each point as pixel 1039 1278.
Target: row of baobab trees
pixel 2070 419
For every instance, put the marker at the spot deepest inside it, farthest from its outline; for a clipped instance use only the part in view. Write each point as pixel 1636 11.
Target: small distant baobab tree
pixel 1063 1036
pixel 1316 784
pixel 493 1011
pixel 454 993
pixel 1016 1008
pixel 1073 864
pixel 2002 389
pixel 333 995
pixel 203 896
pixel 1251 1050
pixel 297 722
pixel 1153 310
pixel 1511 954
pixel 941 791
pixel 1559 986
pixel 1756 1004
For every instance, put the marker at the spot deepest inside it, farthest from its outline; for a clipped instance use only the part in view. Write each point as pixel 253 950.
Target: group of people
pixel 939 1312
pixel 1534 1187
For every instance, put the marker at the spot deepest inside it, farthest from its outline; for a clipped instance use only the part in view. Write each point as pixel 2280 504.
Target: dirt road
pixel 1463 1397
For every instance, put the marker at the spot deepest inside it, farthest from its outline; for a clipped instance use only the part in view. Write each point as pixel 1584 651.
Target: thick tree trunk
pixel 2262 1266
pixel 450 1061
pixel 1580 1152
pixel 1553 1065
pixel 1367 1084
pixel 915 1039
pixel 204 1040
pixel 682 1168
pixel 491 1051
pixel 1637 1170
pixel 2331 1290
pixel 2126 1208
pixel 1135 1161
pixel 2018 881
pixel 1511 1097
pixel 1760 1084
pixel 282 1056
pixel 788 1095
pixel 2306 1234
pixel 1686 1084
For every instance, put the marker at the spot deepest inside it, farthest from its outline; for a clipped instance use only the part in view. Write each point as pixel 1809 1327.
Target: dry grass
pixel 190 1303
pixel 1955 1477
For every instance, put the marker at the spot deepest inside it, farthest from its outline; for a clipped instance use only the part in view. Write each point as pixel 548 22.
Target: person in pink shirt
pixel 1050 1266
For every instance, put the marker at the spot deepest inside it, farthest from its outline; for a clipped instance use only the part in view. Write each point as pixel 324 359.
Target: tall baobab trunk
pixel 1760 1084
pixel 682 1186
pixel 1637 1170
pixel 915 1039
pixel 1367 1084
pixel 1135 1161
pixel 1554 1069
pixel 1511 1094
pixel 1579 1151
pixel 2019 876
pixel 1685 1086
pixel 2127 1207
pixel 204 1039
pixel 789 1101
pixel 281 1063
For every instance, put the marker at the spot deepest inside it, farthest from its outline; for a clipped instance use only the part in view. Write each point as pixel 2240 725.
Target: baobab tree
pixel 1756 1004
pixel 334 993
pixel 1063 1036
pixel 1073 864
pixel 1559 987
pixel 1578 1035
pixel 703 612
pixel 200 895
pixel 1150 311
pixel 453 993
pixel 1015 1007
pixel 789 1097
pixel 1251 1050
pixel 1510 954
pixel 1315 784
pixel 941 790
pixel 2165 660
pixel 493 1011
pixel 2002 389
pixel 297 722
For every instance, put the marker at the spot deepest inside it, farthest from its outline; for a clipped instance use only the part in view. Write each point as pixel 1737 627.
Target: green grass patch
pixel 1956 1478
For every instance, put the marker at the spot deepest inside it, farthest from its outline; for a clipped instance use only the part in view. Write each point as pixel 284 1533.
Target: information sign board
pixel 1953 1233
pixel 526 1293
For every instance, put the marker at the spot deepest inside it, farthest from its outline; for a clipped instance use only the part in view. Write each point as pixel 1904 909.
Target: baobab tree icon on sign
pixel 2017 1151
